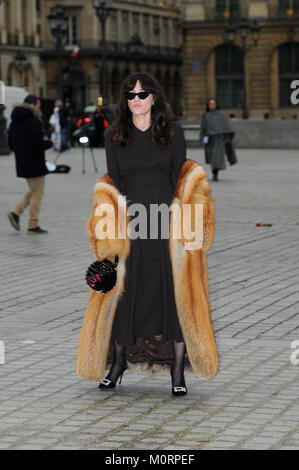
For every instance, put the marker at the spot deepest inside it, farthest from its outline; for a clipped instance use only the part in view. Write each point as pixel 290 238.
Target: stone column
pixel 274 84
pixel 3 28
pixel 17 12
pixel 31 21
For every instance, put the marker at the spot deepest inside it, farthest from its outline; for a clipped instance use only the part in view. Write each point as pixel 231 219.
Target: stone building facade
pixel 20 37
pixel 157 25
pixel 216 65
pixel 24 27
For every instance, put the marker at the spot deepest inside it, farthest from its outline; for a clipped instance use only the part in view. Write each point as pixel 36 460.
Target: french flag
pixel 76 51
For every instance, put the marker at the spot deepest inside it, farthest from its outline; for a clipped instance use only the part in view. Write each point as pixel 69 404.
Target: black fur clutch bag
pixel 102 275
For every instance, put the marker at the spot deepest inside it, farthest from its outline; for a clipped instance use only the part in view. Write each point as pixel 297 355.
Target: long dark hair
pixel 162 122
pixel 208 104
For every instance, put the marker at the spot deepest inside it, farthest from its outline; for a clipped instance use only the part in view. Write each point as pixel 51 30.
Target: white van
pixel 13 95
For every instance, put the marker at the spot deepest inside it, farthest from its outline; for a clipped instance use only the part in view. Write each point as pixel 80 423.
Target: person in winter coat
pixel 157 317
pixel 56 133
pixel 26 140
pixel 217 135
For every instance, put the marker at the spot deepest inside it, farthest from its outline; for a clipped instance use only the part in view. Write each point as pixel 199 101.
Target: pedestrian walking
pixel 26 140
pixel 56 128
pixel 157 316
pixel 217 135
pixel 64 120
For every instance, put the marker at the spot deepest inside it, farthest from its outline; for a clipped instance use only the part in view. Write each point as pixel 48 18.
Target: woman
pixel 216 134
pixel 148 314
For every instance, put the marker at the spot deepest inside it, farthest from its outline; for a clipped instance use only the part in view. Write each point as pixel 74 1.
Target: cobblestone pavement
pixel 252 403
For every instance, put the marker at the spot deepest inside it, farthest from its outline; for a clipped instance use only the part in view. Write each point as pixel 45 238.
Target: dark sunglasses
pixel 130 95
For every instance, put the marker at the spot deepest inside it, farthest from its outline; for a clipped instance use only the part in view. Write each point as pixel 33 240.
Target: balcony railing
pixel 13 39
pixel 118 48
pixel 285 10
pixel 217 13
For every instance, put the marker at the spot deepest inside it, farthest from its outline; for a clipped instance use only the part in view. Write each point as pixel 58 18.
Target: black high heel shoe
pixel 107 384
pixel 179 391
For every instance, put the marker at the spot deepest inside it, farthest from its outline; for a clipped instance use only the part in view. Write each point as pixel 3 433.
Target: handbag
pixel 102 275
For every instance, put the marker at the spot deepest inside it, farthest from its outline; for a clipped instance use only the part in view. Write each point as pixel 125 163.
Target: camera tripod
pixel 92 156
pixel 83 147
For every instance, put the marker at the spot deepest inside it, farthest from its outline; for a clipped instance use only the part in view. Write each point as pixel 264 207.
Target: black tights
pixel 119 358
pixel 178 349
pixel 177 369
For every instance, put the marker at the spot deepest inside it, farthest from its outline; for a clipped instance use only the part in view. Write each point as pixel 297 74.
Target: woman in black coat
pixel 216 134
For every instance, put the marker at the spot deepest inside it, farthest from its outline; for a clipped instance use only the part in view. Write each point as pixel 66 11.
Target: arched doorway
pixel 12 75
pixel 115 84
pixel 74 85
pixel 178 94
pixel 126 72
pixel 167 86
pixel 229 74
pixel 29 83
pixel 158 75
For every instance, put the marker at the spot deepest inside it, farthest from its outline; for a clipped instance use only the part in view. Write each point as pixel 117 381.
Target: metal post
pixel 60 82
pixel 4 149
pixel 59 30
pixel 102 9
pixel 104 61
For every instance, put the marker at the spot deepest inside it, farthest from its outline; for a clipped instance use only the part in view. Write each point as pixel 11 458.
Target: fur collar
pixel 30 108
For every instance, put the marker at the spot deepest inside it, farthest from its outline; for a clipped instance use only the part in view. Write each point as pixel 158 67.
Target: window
pixel 230 7
pixel 146 29
pixel 72 30
pixel 230 76
pixel 287 5
pixel 288 71
pixel 135 23
pixel 125 27
pixel 113 26
pixel 165 31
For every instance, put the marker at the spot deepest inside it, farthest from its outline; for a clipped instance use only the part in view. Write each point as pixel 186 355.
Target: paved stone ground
pixel 253 402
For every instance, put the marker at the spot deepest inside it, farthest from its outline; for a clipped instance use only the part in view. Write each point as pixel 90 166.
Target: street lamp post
pixel 102 9
pixel 59 30
pixel 135 48
pixel 20 60
pixel 244 28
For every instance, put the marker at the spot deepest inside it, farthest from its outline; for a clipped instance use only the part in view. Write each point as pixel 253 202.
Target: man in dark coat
pixel 26 140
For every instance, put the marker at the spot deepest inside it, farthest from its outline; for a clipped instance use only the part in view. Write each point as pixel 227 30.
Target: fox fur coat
pixel 189 269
